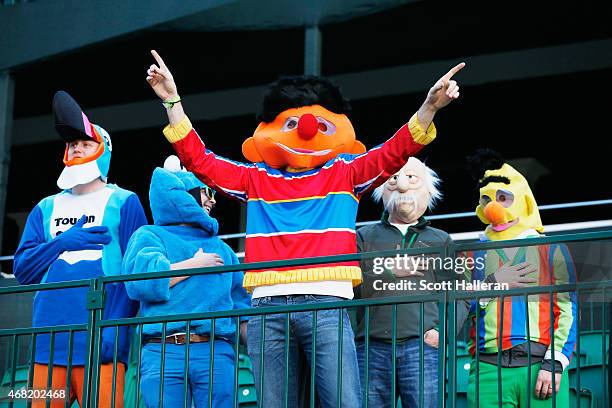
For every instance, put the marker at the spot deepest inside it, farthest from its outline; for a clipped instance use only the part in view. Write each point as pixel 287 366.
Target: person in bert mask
pixel 79 233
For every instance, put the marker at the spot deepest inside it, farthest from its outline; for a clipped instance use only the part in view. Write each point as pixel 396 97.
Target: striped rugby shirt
pixel 304 214
pixel 554 266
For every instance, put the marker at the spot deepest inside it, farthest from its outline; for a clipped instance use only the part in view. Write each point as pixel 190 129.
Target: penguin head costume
pixel 72 125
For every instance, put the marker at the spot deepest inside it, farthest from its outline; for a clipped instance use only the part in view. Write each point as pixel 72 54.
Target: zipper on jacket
pixel 411 239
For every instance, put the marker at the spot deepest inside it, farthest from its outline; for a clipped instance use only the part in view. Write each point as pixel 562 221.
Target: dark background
pixel 561 121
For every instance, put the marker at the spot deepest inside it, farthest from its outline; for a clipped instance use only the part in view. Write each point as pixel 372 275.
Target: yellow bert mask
pixel 302 138
pixel 508 209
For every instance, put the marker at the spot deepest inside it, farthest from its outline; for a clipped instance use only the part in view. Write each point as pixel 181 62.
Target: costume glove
pixel 78 238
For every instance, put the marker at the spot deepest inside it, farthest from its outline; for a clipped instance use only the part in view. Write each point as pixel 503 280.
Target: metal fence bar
pixel 115 353
pixel 578 388
pixel 393 353
pixel 50 368
pixel 287 328
pixel 31 369
pixel 313 359
pixel 603 347
pixel 592 316
pixel 69 368
pixel 186 396
pixel 452 352
pixel 162 365
pixel 477 350
pixel 236 360
pixel 42 330
pixel 551 300
pixel 528 331
pixel 211 368
pixel 442 315
pixel 140 328
pixel 499 350
pixel 13 365
pixel 422 354
pixel 366 373
pixel 340 350
pixel 261 360
pixel 92 319
pixel 97 362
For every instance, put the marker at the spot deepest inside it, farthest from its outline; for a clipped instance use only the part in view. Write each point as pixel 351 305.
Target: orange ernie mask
pixel 302 138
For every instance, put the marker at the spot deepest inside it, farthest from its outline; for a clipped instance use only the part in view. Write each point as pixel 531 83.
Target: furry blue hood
pixel 172 204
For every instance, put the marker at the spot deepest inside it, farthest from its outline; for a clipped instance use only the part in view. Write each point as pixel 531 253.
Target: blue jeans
pixel 271 392
pixel 174 375
pixel 407 373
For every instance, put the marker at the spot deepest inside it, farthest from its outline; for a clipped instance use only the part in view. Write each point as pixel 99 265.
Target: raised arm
pixel 374 167
pixel 162 82
pixel 441 94
pixel 217 172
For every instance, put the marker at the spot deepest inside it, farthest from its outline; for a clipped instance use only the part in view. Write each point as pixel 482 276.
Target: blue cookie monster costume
pixel 181 227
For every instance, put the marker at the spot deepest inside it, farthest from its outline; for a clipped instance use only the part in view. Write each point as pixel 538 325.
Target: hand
pixel 200 259
pixel 414 266
pixel 203 259
pixel 78 238
pixel 543 387
pixel 444 90
pixel 514 275
pixel 161 80
pixel 432 338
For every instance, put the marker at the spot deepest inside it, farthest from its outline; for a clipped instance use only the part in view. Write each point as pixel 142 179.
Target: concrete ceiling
pixel 42 29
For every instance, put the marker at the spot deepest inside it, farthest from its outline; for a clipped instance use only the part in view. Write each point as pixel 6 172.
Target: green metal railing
pixel 448 303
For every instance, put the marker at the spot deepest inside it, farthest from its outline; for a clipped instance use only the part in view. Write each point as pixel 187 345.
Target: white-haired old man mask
pixel 409 192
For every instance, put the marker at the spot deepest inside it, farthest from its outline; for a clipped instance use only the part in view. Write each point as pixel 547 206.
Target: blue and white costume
pixel 42 257
pixel 181 228
pixel 78 236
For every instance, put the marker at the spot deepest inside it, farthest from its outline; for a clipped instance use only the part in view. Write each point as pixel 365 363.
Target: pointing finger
pixel 159 59
pixel 453 71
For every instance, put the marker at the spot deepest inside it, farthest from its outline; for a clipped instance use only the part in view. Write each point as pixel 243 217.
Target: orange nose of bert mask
pixel 300 126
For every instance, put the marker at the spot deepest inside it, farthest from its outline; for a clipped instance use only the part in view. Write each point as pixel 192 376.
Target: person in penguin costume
pixel 79 233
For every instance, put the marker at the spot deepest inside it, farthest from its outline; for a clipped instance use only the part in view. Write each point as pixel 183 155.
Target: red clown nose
pixel 308 126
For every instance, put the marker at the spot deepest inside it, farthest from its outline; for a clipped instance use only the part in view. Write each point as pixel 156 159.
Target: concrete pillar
pixel 7 93
pixel 312 51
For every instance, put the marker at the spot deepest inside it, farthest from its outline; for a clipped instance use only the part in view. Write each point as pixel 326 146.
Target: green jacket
pixel 384 236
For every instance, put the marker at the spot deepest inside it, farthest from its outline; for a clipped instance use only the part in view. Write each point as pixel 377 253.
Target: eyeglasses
pixel 210 193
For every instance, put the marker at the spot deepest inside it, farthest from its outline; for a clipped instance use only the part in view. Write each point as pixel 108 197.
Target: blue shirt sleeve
pixel 132 218
pixel 146 253
pixel 34 255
